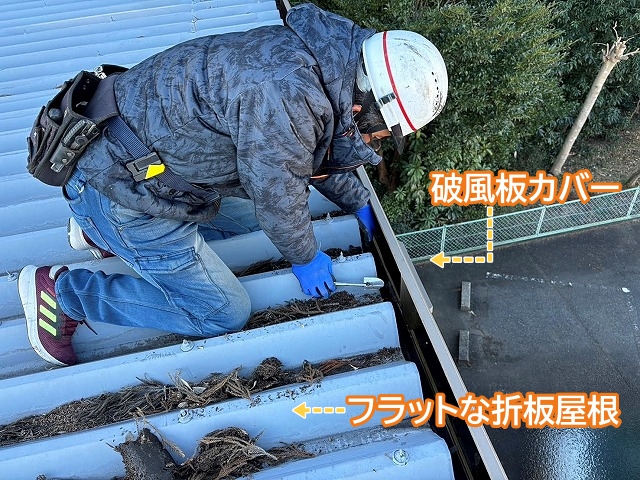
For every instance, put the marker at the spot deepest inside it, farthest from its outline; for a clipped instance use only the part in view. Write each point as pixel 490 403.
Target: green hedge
pixel 518 73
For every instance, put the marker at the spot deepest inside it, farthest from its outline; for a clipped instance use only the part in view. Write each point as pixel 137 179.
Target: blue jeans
pixel 184 288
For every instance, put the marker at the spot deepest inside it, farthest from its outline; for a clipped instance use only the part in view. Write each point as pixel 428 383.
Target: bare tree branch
pixel 611 56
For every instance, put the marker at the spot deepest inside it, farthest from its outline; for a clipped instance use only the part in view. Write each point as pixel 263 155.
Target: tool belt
pixel 68 123
pixel 61 132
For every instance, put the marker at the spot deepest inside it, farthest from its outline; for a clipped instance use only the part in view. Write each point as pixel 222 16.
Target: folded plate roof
pixel 41 45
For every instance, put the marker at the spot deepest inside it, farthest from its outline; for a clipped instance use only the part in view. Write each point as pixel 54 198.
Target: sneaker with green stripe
pixel 49 329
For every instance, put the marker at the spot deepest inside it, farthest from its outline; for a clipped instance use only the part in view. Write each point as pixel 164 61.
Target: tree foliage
pixel 502 58
pixel 518 71
pixel 588 26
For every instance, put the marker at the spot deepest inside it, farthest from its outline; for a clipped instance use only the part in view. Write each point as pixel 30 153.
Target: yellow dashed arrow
pixel 441 259
pixel 302 410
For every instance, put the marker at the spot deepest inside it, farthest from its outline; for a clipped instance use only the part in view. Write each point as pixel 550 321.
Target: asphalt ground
pixel 553 315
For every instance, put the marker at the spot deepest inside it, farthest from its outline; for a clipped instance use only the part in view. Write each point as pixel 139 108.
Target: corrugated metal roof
pixel 42 44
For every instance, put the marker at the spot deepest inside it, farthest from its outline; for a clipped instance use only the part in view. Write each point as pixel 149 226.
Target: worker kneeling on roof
pixel 219 136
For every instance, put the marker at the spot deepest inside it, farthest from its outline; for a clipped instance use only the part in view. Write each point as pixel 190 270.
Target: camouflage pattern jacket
pixel 250 114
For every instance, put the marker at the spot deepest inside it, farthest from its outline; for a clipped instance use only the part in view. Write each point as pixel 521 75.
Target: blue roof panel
pixel 43 44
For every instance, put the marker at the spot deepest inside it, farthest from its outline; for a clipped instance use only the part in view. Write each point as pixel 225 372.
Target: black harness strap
pixel 147 164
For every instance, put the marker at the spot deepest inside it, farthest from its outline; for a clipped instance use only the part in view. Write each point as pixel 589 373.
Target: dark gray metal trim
pixel 415 304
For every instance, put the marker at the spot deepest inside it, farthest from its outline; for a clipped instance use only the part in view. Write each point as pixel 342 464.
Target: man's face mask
pixel 347 152
pixel 369 119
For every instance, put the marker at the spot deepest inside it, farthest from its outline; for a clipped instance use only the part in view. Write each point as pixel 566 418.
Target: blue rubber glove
pixel 367 220
pixel 316 277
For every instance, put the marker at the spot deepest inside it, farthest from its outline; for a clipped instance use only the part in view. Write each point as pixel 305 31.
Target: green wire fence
pixel 523 225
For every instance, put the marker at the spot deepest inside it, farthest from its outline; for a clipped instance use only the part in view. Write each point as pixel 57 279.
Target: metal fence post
pixel 633 202
pixel 543 210
pixel 443 238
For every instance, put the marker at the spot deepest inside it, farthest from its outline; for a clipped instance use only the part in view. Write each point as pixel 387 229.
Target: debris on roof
pixel 316 353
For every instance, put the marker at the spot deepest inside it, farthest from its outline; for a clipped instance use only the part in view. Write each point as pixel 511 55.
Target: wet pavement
pixel 553 315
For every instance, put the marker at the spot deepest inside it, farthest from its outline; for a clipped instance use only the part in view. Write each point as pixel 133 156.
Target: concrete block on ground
pixel 463 346
pixel 465 297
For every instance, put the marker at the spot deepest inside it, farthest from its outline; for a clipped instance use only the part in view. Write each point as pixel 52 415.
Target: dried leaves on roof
pixel 231 452
pixel 151 396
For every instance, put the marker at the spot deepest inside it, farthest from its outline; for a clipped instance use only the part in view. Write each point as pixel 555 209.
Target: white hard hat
pixel 408 78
